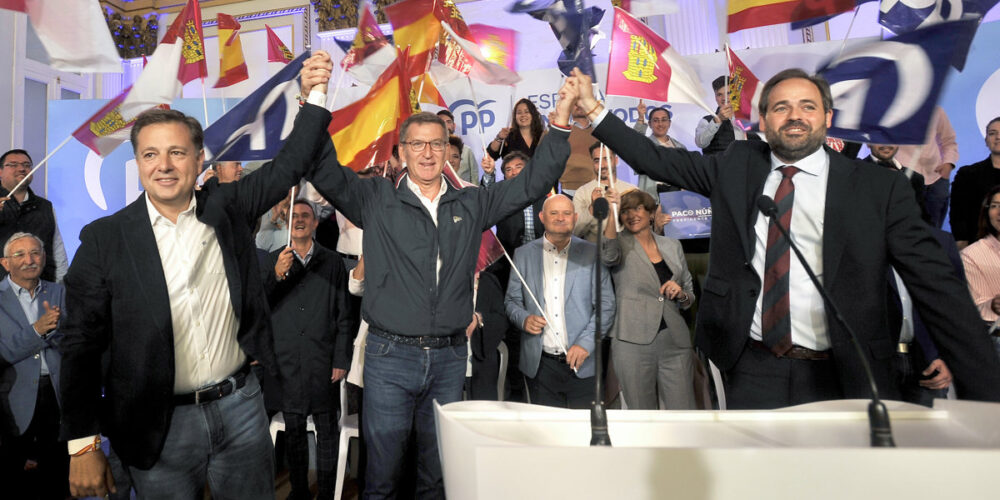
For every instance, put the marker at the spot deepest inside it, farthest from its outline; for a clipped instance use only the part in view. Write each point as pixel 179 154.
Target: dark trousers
pixel 936 200
pixel 47 474
pixel 762 381
pixel 555 384
pixel 297 453
pixel 907 374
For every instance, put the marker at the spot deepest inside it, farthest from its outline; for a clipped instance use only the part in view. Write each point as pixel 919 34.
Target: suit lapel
pixel 144 257
pixel 661 245
pixel 757 171
pixel 10 304
pixel 838 186
pixel 535 278
pixel 573 258
pixel 632 249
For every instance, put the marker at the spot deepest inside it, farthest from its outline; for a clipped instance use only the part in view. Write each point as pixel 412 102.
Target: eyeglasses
pixel 418 146
pixel 23 164
pixel 20 255
pixel 660 120
pixel 993 206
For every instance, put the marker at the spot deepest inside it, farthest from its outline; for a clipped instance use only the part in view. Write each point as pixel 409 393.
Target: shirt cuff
pixel 75 445
pixel 317 97
pixel 600 117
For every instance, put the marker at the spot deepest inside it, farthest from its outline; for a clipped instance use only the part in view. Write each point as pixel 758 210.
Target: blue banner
pixel 691 215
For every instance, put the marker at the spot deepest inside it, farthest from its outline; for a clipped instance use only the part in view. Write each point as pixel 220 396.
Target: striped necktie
pixel 776 322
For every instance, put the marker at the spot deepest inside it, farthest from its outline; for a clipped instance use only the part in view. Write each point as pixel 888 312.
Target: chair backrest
pixel 343 403
pixel 502 375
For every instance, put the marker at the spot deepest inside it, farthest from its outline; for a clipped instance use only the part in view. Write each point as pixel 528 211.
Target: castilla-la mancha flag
pixel 744 89
pixel 370 53
pixel 277 51
pixel 188 30
pixel 159 83
pixel 365 131
pixel 232 64
pixel 644 65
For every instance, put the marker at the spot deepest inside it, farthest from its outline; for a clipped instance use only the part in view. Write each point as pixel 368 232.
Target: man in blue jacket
pixel 422 236
pixel 30 308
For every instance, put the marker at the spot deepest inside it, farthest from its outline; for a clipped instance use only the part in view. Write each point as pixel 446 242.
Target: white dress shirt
pixel 554 340
pixel 201 312
pixel 432 206
pixel 808 317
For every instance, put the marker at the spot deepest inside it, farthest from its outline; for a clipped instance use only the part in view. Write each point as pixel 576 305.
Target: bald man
pixel 556 345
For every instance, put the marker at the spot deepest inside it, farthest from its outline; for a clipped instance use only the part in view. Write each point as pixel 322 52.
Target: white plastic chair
pixel 348 425
pixel 278 425
pixel 720 390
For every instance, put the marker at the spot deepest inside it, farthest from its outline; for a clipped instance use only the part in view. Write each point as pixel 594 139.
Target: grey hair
pixel 16 236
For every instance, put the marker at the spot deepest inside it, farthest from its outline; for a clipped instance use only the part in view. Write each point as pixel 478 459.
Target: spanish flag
pixel 365 131
pixel 744 14
pixel 428 92
pixel 417 27
pixel 232 65
pixel 187 28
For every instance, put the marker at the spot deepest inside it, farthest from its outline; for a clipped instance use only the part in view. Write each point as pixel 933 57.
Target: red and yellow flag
pixel 276 49
pixel 232 64
pixel 498 45
pixel 745 14
pixel 417 24
pixel 187 28
pixel 367 41
pixel 429 93
pixel 366 130
pixel 744 89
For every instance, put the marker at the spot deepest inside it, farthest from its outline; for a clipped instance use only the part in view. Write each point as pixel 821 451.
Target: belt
pixel 426 341
pixel 558 357
pixel 350 256
pixel 796 352
pixel 903 348
pixel 214 392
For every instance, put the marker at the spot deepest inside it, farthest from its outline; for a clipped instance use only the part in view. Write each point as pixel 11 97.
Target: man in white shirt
pixel 168 291
pixel 605 164
pixel 559 270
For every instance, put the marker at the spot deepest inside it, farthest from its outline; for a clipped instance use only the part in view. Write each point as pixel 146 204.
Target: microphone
pixel 600 208
pixel 598 413
pixel 878 415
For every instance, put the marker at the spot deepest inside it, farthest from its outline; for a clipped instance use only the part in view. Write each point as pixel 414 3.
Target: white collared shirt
pixel 432 208
pixel 201 312
pixel 808 317
pixel 304 259
pixel 554 340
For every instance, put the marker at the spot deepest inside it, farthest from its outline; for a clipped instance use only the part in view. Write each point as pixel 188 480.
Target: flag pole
pixel 204 100
pixel 427 68
pixel 611 180
pixel 222 94
pixel 848 34
pixel 291 206
pixel 39 165
pixel 533 299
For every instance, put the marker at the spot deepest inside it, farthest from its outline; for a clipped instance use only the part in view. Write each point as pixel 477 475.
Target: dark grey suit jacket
pixel 871 222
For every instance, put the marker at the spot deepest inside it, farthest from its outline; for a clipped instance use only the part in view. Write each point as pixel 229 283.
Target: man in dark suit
pixel 168 289
pixel 884 155
pixel 851 221
pixel 30 308
pixel 312 334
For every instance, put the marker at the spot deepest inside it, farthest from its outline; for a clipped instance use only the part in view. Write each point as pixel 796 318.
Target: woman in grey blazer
pixel 651 347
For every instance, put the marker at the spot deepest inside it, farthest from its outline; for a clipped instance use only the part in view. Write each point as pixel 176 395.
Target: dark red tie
pixel 776 322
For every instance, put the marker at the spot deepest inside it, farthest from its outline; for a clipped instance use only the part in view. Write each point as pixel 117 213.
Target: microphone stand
pixel 598 413
pixel 878 415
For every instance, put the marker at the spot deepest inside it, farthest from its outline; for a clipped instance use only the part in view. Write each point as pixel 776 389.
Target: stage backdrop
pixel 82 187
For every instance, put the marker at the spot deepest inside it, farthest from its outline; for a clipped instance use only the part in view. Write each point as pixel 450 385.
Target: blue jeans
pixel 224 443
pixel 401 384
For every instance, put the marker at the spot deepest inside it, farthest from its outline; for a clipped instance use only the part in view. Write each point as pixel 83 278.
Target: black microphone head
pixel 600 208
pixel 767 205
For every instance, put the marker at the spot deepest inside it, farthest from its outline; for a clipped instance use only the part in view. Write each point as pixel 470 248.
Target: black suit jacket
pixel 510 231
pixel 118 306
pixel 312 330
pixel 871 221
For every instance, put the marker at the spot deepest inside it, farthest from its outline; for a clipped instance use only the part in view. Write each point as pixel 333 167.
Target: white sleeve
pixel 59 251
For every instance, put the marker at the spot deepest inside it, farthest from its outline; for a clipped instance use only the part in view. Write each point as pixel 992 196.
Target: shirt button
pixel 660 298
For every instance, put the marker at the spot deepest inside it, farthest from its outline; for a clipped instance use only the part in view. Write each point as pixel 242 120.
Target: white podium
pixel 497 450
